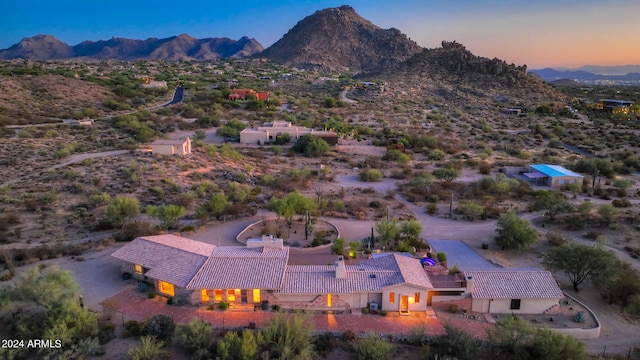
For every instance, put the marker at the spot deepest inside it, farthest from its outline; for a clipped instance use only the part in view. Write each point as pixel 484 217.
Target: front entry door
pixel 404 303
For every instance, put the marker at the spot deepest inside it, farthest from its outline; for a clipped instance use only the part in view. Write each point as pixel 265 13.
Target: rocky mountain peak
pixel 339 38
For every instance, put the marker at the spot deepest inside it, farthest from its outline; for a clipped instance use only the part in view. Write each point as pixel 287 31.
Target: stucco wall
pixel 163 149
pixel 400 291
pixel 253 137
pixel 503 306
pixel 556 181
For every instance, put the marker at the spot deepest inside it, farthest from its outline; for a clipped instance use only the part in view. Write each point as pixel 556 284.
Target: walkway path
pixel 133 305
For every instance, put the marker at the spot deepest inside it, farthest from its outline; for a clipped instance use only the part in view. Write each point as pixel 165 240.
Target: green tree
pixel 608 213
pixel 514 232
pixel 167 214
pixel 294 203
pixel 194 335
pixel 586 207
pixel 512 334
pixel 387 229
pixel 622 185
pixel 122 208
pixel 519 340
pixel 54 292
pixel 239 347
pixel 582 262
pixel 411 230
pixel 456 344
pixel 471 209
pixel 549 345
pixel 338 246
pixel 551 202
pixel 311 146
pixel 447 174
pixel 372 348
pixel 288 337
pixel 149 349
pixel 217 205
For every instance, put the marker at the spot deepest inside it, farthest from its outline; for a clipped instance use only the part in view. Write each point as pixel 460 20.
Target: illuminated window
pixel 417 297
pixel 217 295
pixel 137 268
pixel 166 288
pixel 392 297
pixel 256 295
pixel 231 295
pixel 328 300
pixel 204 295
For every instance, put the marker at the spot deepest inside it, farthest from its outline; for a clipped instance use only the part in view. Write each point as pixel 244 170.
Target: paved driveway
pixel 461 254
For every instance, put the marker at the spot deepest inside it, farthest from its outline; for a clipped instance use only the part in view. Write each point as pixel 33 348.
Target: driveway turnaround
pixel 461 254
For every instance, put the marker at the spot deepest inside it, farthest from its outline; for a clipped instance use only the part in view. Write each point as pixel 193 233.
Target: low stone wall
pixel 443 302
pixel 242 238
pixel 579 333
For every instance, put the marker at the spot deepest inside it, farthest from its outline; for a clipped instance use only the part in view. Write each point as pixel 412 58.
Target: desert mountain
pixel 339 38
pixel 182 47
pixel 454 73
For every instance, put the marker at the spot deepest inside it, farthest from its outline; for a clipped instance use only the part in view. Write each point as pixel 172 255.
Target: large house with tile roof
pixel 201 273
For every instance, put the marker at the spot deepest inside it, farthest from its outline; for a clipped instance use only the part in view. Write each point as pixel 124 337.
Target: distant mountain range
pixel 182 47
pixel 604 74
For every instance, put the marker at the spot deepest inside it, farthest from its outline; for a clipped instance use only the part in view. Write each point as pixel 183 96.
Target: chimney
pixel 341 269
pixel 470 284
pixel 267 241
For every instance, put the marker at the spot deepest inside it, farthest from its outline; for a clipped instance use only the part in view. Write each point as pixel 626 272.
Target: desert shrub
pixel 131 328
pixel 325 343
pixel 453 308
pixel 106 332
pixel 372 348
pixel 456 343
pixel 633 305
pixel 194 335
pixel 370 175
pixel 557 238
pixel 149 349
pixel 290 333
pixel 418 335
pixel 349 335
pixel 432 208
pixel 160 326
pixel 133 230
pixel 621 203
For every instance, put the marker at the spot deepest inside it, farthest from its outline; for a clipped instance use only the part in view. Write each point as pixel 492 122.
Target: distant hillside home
pixel 270 131
pixel 551 175
pixel 259 273
pixel 614 106
pixel 180 147
pixel 242 94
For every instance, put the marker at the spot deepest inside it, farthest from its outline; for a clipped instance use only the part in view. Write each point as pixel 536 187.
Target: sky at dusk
pixel 541 33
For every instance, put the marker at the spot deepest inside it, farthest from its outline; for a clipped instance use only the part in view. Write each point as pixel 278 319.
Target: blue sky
pixel 538 33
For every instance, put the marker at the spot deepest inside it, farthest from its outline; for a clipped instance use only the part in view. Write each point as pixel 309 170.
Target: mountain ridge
pixel 180 47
